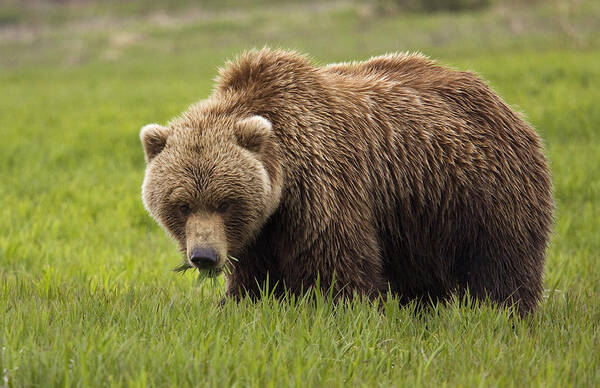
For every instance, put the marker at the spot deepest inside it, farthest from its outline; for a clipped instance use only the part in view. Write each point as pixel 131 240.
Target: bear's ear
pixel 253 133
pixel 154 139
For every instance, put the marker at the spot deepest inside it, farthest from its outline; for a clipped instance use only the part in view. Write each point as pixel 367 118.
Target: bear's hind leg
pixel 506 279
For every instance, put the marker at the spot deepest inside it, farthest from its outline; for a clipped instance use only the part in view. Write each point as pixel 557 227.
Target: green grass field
pixel 87 296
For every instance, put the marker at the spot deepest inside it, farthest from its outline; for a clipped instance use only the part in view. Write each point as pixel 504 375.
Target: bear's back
pixel 409 70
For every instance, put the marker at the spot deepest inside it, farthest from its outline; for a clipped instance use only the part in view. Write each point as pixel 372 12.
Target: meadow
pixel 87 295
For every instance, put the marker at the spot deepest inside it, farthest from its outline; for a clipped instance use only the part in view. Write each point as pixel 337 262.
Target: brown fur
pixel 393 173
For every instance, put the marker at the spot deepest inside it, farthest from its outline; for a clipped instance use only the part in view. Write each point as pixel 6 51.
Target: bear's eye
pixel 184 210
pixel 223 207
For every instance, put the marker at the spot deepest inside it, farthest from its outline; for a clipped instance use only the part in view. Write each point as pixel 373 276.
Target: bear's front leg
pixel 343 257
pixel 253 275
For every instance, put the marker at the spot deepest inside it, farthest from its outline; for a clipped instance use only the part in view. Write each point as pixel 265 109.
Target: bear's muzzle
pixel 203 258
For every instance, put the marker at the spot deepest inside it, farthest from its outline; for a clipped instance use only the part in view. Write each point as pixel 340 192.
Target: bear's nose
pixel 203 258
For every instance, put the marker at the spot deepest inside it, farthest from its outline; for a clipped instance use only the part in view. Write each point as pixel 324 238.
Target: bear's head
pixel 211 183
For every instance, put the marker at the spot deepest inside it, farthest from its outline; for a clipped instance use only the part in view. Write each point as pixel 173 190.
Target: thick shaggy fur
pixel 389 174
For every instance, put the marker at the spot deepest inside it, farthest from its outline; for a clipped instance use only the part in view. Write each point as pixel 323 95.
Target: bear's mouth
pixel 209 272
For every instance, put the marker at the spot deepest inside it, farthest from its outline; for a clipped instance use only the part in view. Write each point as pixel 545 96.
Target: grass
pixel 87 296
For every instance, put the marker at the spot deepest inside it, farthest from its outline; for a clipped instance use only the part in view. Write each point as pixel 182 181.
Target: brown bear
pixel 392 174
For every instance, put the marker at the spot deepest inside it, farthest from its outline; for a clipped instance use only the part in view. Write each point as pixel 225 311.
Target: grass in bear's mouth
pixel 214 272
pixel 207 273
pixel 183 267
pixel 204 274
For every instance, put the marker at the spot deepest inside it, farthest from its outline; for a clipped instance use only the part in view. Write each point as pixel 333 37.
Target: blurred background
pixel 75 32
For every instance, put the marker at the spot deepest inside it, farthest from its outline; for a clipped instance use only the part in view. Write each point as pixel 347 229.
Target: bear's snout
pixel 203 258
